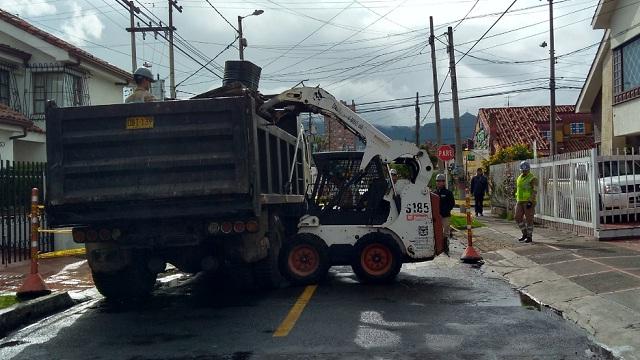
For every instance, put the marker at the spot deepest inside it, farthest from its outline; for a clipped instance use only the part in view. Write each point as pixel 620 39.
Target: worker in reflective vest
pixel 525 201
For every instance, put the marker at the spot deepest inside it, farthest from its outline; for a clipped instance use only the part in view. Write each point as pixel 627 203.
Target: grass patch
pixel 7 300
pixel 460 222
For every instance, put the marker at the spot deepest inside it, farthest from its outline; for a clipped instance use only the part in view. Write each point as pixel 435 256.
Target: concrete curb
pixel 27 312
pixel 610 325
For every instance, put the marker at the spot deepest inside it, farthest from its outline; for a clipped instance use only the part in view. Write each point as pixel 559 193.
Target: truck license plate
pixel 140 122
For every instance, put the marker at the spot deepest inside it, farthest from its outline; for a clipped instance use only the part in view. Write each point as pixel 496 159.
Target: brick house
pixel 338 137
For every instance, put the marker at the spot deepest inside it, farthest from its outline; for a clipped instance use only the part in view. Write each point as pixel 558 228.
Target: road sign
pixel 445 153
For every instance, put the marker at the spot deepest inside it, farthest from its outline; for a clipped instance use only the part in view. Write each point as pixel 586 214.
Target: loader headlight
pixel 612 189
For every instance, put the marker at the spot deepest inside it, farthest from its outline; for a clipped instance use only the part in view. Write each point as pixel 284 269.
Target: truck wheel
pixel 376 260
pixel 266 273
pixel 304 259
pixel 133 282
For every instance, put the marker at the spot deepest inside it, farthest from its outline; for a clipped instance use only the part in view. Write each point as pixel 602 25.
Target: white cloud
pixel 28 7
pixel 82 26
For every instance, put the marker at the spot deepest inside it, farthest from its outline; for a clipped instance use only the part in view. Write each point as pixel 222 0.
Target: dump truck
pixel 203 184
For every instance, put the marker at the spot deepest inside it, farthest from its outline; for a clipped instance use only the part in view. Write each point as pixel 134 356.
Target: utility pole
pixel 417 120
pixel 166 29
pixel 454 91
pixel 132 9
pixel 552 83
pixel 436 96
pixel 240 38
pixel 172 76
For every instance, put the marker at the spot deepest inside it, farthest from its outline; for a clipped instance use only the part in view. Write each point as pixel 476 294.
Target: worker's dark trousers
pixel 478 200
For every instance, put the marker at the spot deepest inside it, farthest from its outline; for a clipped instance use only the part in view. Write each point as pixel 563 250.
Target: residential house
pixel 36 66
pixel 339 138
pixel 498 128
pixel 612 89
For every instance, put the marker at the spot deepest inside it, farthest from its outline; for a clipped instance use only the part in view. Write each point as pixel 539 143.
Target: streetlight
pixel 242 42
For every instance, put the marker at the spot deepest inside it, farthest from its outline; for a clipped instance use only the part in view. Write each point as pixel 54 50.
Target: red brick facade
pixel 338 137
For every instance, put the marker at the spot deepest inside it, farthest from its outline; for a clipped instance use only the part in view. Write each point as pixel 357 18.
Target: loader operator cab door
pixel 343 195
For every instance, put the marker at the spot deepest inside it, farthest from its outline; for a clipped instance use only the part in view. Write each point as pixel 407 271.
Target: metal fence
pixel 584 192
pixel 16 181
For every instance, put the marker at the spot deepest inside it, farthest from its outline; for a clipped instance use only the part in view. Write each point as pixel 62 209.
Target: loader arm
pixel 317 100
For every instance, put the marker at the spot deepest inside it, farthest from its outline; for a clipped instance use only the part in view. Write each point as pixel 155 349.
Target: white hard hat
pixel 145 73
pixel 440 177
pixel 393 172
pixel 524 165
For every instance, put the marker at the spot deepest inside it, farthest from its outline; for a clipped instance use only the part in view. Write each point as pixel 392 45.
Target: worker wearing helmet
pixel 143 78
pixel 447 202
pixel 525 201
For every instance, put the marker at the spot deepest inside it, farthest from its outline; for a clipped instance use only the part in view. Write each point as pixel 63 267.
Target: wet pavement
pixel 436 310
pixel 595 284
pixel 60 274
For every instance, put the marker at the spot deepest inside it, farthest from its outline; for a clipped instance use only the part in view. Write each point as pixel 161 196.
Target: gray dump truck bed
pixel 165 160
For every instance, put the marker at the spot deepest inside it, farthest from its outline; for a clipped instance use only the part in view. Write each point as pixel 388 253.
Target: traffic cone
pixel 470 255
pixel 33 285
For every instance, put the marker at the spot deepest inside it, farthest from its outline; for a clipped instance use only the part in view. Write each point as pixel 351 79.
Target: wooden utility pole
pixel 552 83
pixel 436 96
pixel 417 120
pixel 132 11
pixel 454 91
pixel 172 76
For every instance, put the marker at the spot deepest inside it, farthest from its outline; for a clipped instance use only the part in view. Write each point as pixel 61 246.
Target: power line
pixel 467 14
pixel 222 16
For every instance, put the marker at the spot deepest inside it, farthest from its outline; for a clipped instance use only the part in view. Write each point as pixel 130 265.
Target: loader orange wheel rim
pixel 304 260
pixel 376 259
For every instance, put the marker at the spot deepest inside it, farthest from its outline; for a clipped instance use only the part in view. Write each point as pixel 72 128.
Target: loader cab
pixel 343 195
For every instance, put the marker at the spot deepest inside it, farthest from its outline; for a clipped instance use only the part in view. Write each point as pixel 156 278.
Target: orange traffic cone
pixel 470 255
pixel 33 285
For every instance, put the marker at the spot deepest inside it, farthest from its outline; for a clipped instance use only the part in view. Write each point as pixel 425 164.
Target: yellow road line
pixel 290 321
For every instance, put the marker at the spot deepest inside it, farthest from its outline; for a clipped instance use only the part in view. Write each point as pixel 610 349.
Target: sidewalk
pixel 592 283
pixel 60 274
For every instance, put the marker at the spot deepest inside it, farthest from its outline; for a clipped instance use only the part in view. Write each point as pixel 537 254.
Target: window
pixel 64 88
pixel 577 128
pixel 4 87
pixel 546 134
pixel 626 71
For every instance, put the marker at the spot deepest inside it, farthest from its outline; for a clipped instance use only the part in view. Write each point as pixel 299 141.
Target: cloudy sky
pixel 374 52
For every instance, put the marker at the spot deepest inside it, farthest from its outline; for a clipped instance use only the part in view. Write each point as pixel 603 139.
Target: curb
pixel 27 312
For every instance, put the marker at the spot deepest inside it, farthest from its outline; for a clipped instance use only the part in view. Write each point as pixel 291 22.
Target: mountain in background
pixel 427 131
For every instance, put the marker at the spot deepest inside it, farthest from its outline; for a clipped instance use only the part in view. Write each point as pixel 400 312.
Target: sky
pixel 374 52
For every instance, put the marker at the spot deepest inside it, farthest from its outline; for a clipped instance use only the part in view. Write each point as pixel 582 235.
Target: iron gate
pixel 16 181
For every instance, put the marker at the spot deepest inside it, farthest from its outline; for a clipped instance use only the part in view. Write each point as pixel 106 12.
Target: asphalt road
pixel 436 310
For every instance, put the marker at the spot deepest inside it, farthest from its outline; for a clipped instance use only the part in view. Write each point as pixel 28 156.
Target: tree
pixel 508 154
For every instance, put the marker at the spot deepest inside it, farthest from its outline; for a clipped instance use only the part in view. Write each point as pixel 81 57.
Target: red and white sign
pixel 446 153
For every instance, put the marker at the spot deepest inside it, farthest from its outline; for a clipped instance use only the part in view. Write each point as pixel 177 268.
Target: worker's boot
pixel 523 238
pixel 528 239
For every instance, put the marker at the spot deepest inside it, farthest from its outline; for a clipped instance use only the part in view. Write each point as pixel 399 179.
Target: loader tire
pixel 304 259
pixel 376 259
pixel 134 282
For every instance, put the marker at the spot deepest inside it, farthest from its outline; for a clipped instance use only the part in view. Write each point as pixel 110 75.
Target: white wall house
pixel 36 66
pixel 612 90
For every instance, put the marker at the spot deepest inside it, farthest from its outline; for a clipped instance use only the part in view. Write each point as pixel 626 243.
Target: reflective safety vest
pixel 524 188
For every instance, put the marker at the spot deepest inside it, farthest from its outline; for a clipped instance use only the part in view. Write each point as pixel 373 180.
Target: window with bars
pixel 5 94
pixel 64 88
pixel 577 128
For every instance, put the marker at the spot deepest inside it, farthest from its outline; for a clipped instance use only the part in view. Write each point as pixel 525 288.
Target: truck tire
pixel 376 259
pixel 304 259
pixel 135 281
pixel 266 273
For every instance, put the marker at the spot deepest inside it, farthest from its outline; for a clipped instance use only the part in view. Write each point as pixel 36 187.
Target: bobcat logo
pixel 423 230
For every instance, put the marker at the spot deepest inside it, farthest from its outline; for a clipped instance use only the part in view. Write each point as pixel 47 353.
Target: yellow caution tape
pixel 62 253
